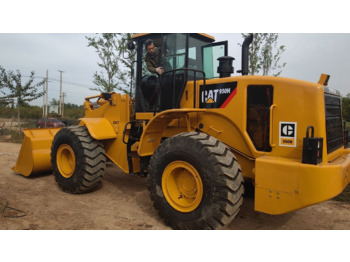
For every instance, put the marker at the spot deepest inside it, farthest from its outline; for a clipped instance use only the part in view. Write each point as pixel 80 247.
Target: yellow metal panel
pixel 135 36
pixel 107 122
pixel 156 128
pixel 144 116
pixel 207 36
pixel 277 174
pixel 152 136
pixel 99 128
pixel 293 101
pixel 284 185
pixel 323 79
pixel 116 151
pixel 34 156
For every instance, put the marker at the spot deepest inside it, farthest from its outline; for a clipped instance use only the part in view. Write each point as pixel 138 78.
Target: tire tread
pixel 90 160
pixel 226 183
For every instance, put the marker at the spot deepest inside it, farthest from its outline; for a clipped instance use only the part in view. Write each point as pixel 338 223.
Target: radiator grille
pixel 334 128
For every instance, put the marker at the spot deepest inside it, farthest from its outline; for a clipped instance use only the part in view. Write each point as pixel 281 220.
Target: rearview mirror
pixel 131 45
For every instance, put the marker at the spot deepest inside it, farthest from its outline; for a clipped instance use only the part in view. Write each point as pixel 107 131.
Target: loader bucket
pixel 34 156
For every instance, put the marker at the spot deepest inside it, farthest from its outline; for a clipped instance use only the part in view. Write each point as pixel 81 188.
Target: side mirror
pixel 131 45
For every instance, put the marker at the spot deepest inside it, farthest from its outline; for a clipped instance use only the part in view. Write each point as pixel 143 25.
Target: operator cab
pixel 184 57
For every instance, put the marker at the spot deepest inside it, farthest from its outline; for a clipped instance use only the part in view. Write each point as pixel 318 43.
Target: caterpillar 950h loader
pixel 200 135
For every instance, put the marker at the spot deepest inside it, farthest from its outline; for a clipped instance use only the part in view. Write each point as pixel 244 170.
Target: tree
pixel 346 107
pixel 3 102
pixel 265 54
pixel 18 92
pixel 54 102
pixel 117 62
pixel 127 59
pixel 106 48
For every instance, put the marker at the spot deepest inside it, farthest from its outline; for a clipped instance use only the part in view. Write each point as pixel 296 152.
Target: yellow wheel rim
pixel 65 160
pixel 182 186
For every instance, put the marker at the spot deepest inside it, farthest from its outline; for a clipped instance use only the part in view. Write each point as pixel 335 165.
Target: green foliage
pixel 127 59
pixel 31 112
pixel 3 102
pixel 73 112
pixel 11 136
pixel 116 62
pixel 346 107
pixel 265 54
pixel 54 102
pixel 106 48
pixel 18 92
pixel 27 112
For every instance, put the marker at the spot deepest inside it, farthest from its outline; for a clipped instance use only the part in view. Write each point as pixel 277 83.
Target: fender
pixel 99 128
pixel 152 135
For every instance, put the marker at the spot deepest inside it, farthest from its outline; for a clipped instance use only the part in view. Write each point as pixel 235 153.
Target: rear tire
pixel 77 159
pixel 195 182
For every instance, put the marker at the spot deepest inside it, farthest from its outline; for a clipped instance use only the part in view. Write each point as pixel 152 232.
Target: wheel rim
pixel 182 186
pixel 65 160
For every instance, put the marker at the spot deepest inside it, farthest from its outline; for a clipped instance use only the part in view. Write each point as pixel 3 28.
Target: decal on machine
pixel 288 134
pixel 217 95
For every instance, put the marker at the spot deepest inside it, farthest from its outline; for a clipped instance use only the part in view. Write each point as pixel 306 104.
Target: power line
pixel 65 82
pixel 47 79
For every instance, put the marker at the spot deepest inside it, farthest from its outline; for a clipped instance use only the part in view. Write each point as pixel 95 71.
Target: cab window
pixel 211 53
pixel 175 52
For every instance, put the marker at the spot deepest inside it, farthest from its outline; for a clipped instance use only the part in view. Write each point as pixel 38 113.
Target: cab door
pixel 210 54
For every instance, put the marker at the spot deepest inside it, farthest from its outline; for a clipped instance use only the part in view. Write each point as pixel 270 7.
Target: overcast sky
pixel 306 55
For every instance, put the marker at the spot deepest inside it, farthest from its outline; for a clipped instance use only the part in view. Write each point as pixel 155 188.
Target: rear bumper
pixel 284 185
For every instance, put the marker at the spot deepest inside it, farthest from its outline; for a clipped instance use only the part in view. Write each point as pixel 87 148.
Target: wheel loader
pixel 202 135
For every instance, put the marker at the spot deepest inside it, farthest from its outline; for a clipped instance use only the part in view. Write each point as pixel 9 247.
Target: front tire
pixel 195 182
pixel 77 159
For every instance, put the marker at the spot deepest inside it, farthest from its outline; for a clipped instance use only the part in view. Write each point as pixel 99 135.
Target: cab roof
pixel 202 35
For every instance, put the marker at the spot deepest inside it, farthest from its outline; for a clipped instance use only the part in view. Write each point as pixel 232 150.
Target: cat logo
pixel 287 130
pixel 210 101
pixel 209 96
pixel 217 95
pixel 288 134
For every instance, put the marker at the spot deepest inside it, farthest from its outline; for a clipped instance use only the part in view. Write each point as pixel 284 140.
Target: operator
pixel 152 58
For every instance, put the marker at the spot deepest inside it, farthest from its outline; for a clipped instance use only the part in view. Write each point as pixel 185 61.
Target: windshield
pixel 211 53
pixel 201 55
pixel 175 52
pixel 182 50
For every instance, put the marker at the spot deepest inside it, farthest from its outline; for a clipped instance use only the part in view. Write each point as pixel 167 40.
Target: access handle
pixel 271 126
pixel 308 131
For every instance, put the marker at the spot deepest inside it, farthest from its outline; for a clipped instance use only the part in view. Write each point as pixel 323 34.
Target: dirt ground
pixel 123 202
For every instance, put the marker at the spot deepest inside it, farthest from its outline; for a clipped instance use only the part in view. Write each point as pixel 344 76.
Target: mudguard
pixel 99 128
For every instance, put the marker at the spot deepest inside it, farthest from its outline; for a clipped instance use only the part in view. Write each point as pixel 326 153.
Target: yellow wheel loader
pixel 201 136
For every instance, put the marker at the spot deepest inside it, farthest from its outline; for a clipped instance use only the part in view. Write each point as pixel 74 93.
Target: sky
pixel 307 55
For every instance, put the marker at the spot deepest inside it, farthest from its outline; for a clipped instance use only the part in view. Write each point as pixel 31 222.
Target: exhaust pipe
pixel 225 67
pixel 245 54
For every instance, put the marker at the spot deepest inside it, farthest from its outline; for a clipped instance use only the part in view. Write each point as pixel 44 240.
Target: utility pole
pixel 64 94
pixel 46 93
pixel 44 96
pixel 60 107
